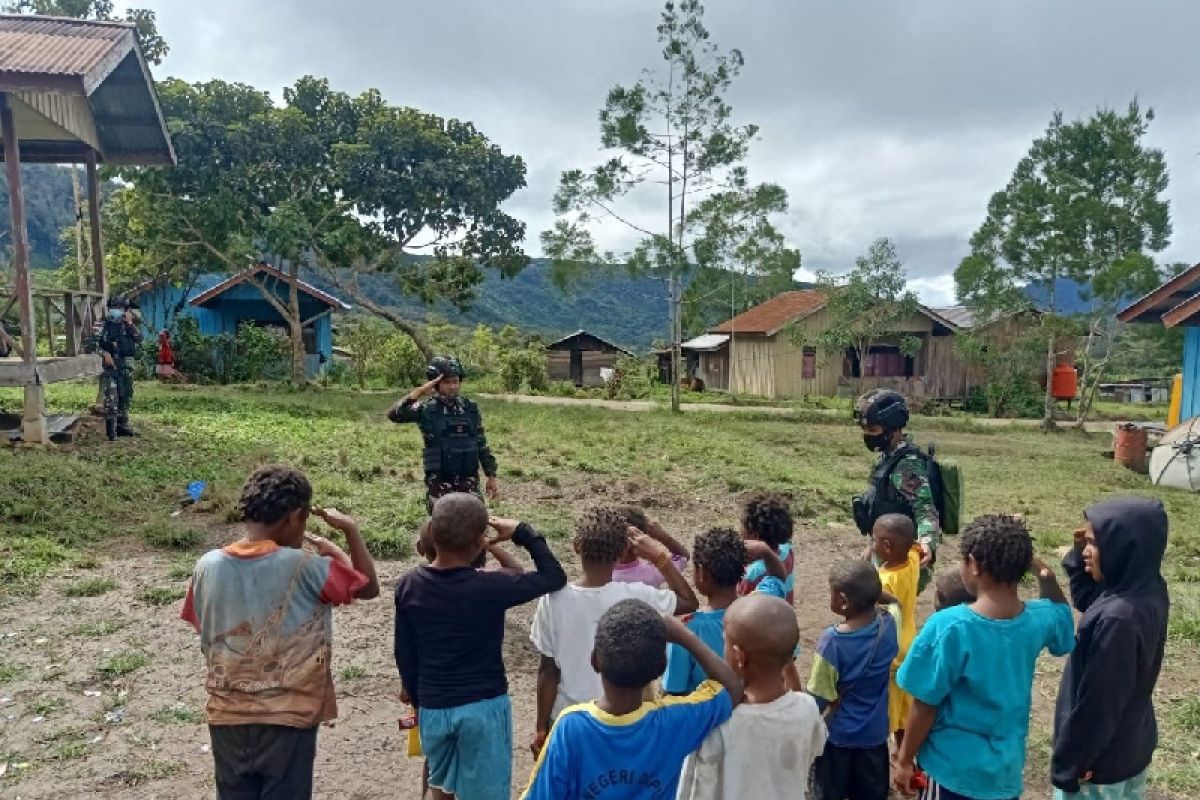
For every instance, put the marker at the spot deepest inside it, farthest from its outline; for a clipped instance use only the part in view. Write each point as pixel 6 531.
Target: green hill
pixel 627 311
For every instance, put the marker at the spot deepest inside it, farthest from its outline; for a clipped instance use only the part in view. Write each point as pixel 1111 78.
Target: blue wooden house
pixel 1177 303
pixel 221 303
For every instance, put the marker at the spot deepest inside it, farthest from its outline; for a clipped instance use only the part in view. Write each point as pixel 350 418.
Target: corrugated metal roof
pixel 959 316
pixel 582 332
pixel 53 46
pixel 706 341
pixel 771 316
pixel 252 272
pixel 101 61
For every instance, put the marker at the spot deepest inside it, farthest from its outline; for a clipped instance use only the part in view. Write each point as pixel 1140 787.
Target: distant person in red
pixel 165 369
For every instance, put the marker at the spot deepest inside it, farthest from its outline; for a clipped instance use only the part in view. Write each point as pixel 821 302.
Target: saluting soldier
pixel 456 446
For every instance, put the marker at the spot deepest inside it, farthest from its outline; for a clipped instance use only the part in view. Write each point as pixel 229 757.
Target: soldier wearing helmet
pixel 117 339
pixel 900 482
pixel 452 428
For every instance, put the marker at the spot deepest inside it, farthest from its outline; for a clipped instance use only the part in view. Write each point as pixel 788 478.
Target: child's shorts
pixel 1132 789
pixel 469 748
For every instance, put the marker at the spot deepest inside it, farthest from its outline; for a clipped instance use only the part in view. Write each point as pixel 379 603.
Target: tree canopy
pixel 1085 203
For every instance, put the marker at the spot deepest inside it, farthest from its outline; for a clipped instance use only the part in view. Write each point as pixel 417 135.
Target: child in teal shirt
pixel 970 670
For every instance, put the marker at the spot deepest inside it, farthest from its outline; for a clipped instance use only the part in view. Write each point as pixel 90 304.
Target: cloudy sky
pixel 880 118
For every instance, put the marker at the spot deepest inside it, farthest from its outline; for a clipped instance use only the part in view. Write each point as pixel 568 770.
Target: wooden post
pixel 78 228
pixel 33 424
pixel 93 182
pixel 48 308
pixel 71 322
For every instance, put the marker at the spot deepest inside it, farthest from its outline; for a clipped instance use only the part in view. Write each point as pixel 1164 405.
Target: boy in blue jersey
pixel 850 676
pixel 621 747
pixel 718 559
pixel 970 670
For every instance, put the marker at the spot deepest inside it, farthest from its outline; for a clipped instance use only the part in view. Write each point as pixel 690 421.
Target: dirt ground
pixel 82 735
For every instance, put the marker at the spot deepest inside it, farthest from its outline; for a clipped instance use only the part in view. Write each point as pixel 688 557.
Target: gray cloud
pixel 880 118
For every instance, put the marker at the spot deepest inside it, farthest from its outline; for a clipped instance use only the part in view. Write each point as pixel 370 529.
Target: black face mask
pixel 877 442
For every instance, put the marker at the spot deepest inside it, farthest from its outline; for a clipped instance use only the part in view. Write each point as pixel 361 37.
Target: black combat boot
pixel 123 428
pixel 110 428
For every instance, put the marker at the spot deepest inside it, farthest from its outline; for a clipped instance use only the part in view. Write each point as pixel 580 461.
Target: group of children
pixel 643 691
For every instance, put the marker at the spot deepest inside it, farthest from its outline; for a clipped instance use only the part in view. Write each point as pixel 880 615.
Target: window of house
pixel 808 368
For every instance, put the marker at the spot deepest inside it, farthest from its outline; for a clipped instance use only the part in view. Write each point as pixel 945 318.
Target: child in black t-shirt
pixel 449 634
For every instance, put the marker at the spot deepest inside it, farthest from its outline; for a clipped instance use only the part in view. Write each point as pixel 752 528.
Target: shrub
pixel 254 353
pixel 633 378
pixel 524 369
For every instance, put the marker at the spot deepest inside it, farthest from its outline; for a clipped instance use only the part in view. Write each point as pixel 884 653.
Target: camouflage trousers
pixel 116 387
pixel 436 487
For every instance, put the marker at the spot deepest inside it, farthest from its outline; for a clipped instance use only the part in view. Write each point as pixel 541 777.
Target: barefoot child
pixel 622 747
pixel 970 670
pixel 263 609
pixel 718 563
pixel 1104 727
pixel 766 749
pixel 631 569
pixel 894 539
pixel 564 624
pixel 850 676
pixel 448 641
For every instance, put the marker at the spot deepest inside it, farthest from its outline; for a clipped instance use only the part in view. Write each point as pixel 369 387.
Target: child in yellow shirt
pixel 899 558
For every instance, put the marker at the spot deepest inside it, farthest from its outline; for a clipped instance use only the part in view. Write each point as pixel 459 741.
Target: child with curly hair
pixel 767 529
pixel 970 670
pixel 564 624
pixel 263 609
pixel 719 558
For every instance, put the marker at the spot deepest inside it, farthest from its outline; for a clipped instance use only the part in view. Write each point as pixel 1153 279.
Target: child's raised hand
pixel 676 630
pixel 336 519
pixel 757 549
pixel 645 547
pixel 323 546
pixel 1079 535
pixel 504 528
pixel 1040 570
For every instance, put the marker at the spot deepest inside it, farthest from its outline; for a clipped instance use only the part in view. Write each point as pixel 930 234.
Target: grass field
pixel 74 521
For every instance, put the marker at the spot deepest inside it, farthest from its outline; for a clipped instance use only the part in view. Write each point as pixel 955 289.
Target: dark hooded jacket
pixel 1104 722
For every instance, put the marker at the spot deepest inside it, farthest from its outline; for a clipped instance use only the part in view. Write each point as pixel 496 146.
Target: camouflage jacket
pixel 910 481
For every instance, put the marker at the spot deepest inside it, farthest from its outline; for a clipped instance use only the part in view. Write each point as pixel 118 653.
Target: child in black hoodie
pixel 1104 727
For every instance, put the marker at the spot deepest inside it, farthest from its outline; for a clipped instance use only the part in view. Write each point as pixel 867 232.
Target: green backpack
pixel 946 483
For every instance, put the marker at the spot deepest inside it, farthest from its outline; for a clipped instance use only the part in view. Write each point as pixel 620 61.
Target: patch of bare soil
pixel 83 730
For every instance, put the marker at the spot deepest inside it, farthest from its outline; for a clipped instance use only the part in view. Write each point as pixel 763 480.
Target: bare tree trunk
pixel 405 326
pixel 295 327
pixel 1048 409
pixel 1094 374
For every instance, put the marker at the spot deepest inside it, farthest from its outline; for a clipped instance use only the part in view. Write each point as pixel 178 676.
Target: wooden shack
pixel 773 353
pixel 71 91
pixel 580 357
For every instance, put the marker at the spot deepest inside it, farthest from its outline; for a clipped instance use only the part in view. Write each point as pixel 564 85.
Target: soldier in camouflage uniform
pixel 452 428
pixel 117 340
pixel 900 482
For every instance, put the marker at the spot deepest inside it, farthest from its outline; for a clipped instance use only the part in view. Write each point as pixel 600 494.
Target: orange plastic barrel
pixel 1129 448
pixel 1065 383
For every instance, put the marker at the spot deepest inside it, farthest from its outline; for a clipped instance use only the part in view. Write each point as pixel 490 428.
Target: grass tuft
pixel 94 630
pixel 90 587
pixel 11 673
pixel 161 595
pixel 122 664
pixel 177 715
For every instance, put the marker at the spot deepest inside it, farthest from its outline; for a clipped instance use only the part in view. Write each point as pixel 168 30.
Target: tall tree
pixel 327 182
pixel 1084 204
pixel 866 307
pixel 672 129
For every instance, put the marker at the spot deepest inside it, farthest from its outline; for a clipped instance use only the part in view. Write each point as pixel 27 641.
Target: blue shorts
pixel 469 748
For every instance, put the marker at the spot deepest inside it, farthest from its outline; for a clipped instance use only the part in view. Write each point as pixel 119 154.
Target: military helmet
pixel 442 366
pixel 122 302
pixel 882 407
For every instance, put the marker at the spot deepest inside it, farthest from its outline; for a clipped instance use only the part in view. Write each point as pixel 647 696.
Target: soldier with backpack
pixel 906 480
pixel 452 429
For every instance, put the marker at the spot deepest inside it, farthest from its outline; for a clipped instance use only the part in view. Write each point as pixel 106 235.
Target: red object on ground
pixel 1065 383
pixel 1129 448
